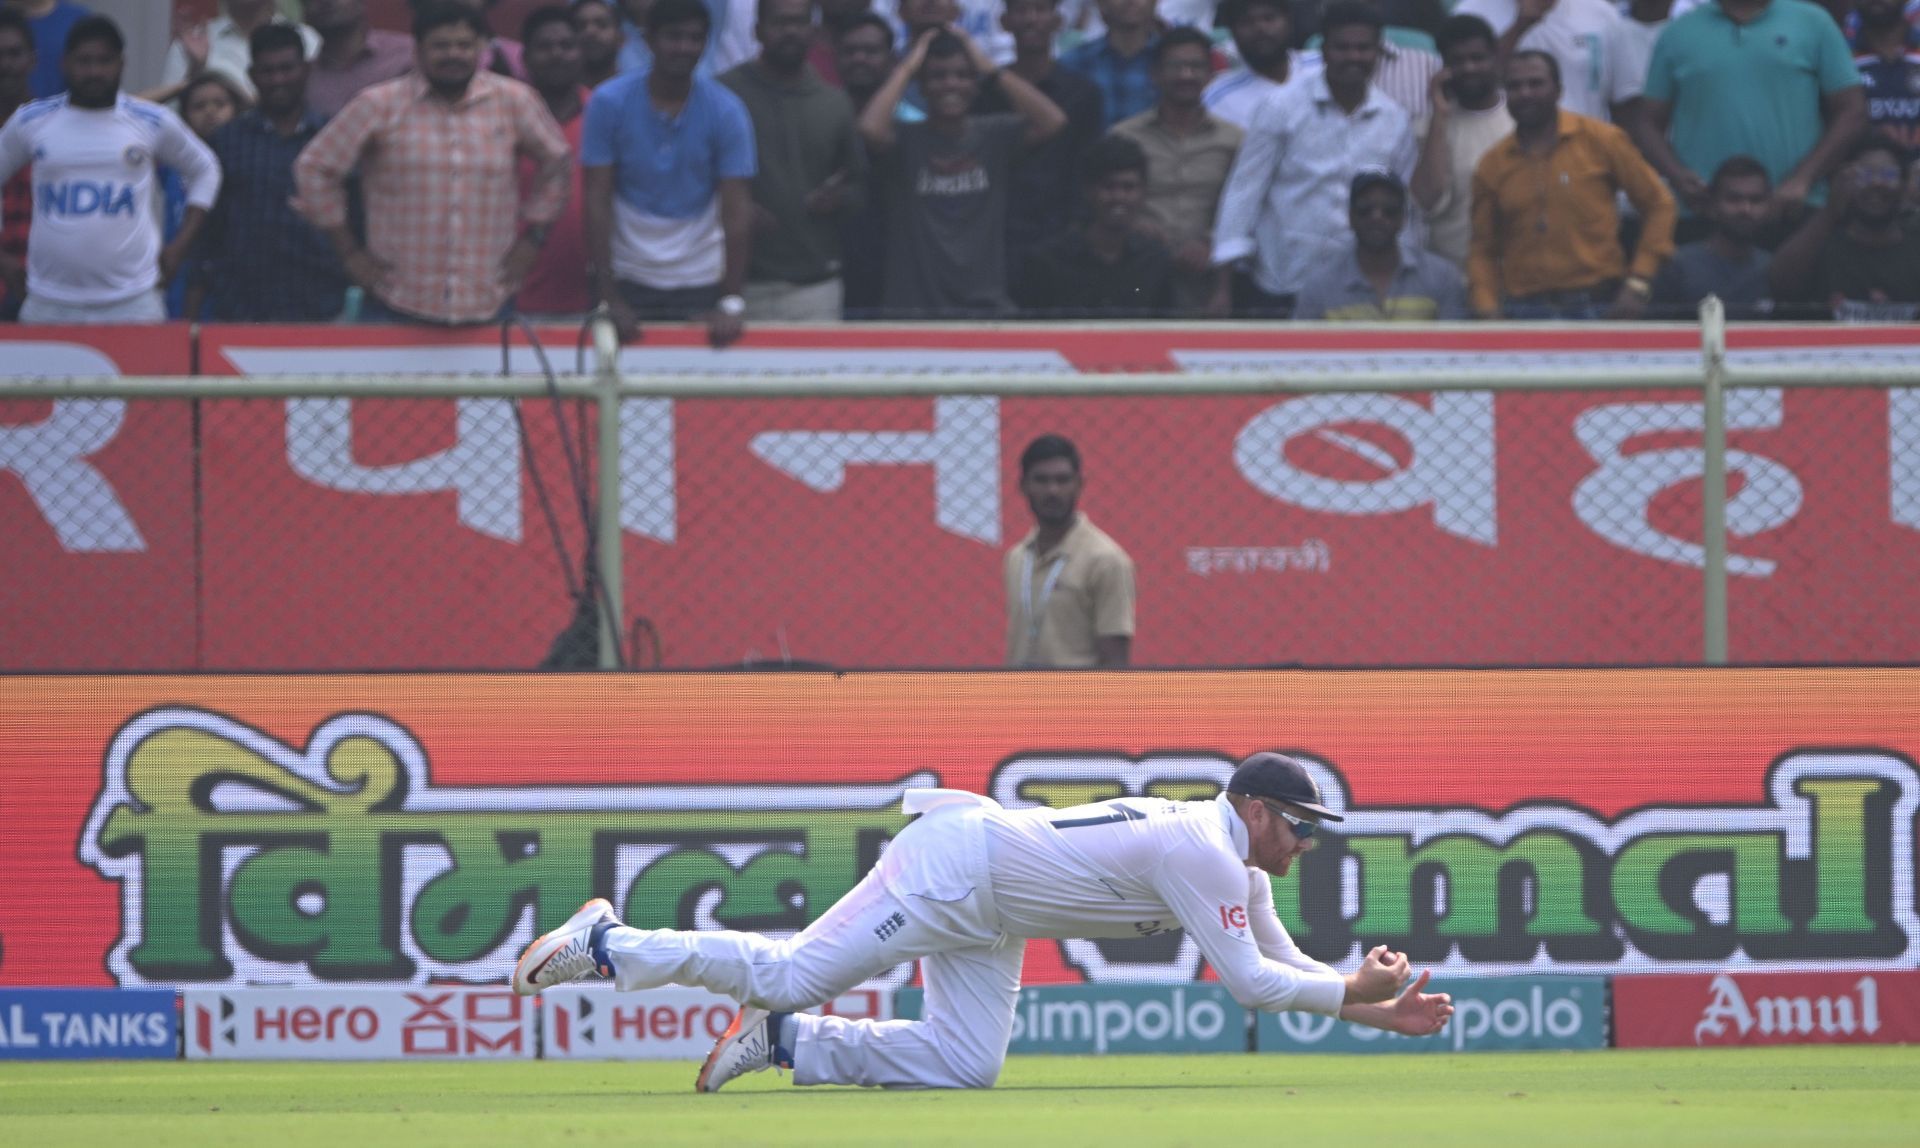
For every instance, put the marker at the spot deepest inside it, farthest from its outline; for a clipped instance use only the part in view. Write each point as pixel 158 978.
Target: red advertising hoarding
pixel 1748 1008
pixel 1454 528
pixel 97 506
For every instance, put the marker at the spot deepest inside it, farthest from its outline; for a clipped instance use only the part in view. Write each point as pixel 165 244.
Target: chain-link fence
pixel 1337 522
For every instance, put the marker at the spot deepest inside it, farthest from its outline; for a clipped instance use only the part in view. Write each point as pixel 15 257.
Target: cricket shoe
pixel 576 951
pixel 748 1045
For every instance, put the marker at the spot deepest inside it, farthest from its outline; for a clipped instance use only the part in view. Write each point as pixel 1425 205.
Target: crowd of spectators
pixel 737 161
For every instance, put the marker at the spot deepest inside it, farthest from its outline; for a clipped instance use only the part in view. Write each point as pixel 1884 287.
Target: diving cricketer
pixel 962 889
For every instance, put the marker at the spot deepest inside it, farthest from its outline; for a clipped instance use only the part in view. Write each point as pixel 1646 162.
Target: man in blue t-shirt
pixel 1886 49
pixel 667 157
pixel 51 20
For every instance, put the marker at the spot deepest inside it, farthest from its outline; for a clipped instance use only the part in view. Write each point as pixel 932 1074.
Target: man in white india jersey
pixel 95 254
pixel 962 889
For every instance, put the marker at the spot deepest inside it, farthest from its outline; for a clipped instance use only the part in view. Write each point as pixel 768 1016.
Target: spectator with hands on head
pixel 946 178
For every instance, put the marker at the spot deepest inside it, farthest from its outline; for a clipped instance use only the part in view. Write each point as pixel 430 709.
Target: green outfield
pixel 1834 1095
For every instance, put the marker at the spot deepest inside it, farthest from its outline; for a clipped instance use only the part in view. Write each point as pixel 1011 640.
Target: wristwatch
pixel 732 305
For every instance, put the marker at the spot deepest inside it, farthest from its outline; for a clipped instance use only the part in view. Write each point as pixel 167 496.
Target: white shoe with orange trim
pixel 576 951
pixel 748 1045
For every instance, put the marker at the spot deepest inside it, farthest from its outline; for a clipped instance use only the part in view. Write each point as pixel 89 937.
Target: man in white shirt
pixel 1585 36
pixel 963 888
pixel 1404 74
pixel 1641 22
pixel 221 45
pixel 96 255
pixel 1284 208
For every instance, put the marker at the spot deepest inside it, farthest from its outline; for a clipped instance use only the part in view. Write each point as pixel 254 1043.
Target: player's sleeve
pixel 180 149
pixel 1207 890
pixel 1276 944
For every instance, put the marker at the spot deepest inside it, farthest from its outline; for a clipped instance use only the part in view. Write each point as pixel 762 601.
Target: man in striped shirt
pixel 1260 32
pixel 437 152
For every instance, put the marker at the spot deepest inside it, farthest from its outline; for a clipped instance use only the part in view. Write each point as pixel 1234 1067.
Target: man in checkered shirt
pixel 437 152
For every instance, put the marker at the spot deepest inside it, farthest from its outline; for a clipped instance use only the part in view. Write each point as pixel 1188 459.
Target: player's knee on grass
pixel 977 1075
pixel 972 1065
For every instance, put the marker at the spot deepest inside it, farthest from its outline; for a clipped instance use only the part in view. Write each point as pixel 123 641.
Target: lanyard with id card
pixel 1036 613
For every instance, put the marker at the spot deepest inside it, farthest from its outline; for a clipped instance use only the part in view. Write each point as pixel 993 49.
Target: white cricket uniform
pixel 962 889
pixel 96 233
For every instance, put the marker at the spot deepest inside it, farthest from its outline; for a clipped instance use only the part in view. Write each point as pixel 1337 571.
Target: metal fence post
pixel 1713 482
pixel 606 356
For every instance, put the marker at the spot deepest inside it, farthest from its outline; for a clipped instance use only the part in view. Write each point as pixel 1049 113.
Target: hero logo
pixel 424 1024
pixel 302 1024
pixel 642 1023
pixel 1844 1015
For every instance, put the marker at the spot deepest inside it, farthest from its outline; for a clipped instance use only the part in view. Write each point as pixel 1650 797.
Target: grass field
pixel 1832 1095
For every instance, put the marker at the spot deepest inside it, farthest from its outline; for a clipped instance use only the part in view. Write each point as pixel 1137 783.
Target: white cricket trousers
pixel 928 898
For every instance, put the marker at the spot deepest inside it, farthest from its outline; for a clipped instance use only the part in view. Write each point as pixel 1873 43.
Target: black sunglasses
pixel 1302 828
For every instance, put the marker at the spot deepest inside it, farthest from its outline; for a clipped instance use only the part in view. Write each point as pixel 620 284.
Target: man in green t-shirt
pixel 1772 79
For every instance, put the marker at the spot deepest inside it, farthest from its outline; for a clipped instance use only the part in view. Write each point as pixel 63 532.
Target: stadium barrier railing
pixel 1652 507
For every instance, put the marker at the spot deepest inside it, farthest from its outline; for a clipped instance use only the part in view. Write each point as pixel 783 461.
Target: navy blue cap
pixel 1277 777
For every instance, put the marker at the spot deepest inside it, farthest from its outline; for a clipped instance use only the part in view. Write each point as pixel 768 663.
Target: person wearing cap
pixel 1376 280
pixel 963 888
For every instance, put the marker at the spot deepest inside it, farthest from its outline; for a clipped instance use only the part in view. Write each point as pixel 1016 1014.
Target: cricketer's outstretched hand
pixel 1416 1013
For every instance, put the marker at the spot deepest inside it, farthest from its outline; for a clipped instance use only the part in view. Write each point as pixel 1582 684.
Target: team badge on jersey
pixel 135 156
